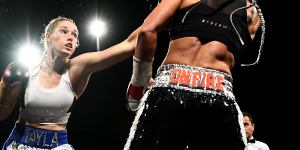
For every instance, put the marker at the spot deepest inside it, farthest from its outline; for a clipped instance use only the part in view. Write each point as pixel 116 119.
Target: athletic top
pixel 43 105
pixel 209 20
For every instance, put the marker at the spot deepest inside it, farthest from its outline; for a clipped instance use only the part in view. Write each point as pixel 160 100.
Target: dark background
pixel 100 118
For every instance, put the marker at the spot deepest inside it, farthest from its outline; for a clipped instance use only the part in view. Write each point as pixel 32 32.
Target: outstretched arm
pixel 95 61
pixel 82 66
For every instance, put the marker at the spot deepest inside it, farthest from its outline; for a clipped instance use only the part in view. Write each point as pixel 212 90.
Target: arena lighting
pixel 28 54
pixel 97 28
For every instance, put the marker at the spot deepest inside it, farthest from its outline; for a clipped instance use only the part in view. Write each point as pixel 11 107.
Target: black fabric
pixel 251 141
pixel 152 4
pixel 173 119
pixel 209 20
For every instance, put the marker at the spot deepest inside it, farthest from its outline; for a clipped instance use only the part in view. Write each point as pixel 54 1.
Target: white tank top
pixel 43 105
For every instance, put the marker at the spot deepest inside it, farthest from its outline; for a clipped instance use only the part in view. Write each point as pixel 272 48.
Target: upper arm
pixel 161 14
pixel 253 20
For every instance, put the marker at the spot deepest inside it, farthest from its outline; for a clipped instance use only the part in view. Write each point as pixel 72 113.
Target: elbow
pixel 2 118
pixel 147 32
pixel 3 114
pixel 8 99
pixel 5 111
pixel 147 38
pixel 146 43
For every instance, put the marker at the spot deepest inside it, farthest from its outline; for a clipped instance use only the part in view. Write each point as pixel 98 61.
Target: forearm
pixel 7 100
pixel 142 67
pixel 100 60
pixel 131 39
pixel 146 45
pixel 111 56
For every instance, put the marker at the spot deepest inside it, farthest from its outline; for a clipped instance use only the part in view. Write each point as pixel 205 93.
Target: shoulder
pixel 253 19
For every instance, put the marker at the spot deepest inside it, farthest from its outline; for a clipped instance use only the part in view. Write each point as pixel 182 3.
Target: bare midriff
pixel 46 126
pixel 191 51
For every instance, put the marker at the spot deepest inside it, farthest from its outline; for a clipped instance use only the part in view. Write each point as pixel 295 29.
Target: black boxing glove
pixel 15 74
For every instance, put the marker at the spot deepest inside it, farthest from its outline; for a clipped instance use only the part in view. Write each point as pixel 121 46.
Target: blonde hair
pixel 50 28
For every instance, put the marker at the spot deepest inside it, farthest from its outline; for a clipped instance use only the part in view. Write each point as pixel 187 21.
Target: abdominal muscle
pixel 50 126
pixel 191 51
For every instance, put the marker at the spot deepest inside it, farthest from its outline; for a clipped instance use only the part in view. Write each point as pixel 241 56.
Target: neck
pixel 54 64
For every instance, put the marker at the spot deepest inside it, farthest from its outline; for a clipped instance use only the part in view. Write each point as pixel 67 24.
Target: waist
pixel 205 37
pixel 45 126
pixel 39 138
pixel 44 118
pixel 195 52
pixel 195 79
